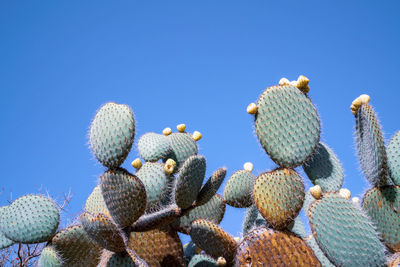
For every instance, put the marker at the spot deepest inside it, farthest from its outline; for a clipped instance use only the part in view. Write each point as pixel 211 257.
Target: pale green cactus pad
pixel 30 219
pixel 287 125
pixel 127 209
pixel 344 233
pixel 253 219
pixel 382 206
pixel 297 228
pixel 101 229
pixel 371 147
pixel 279 196
pixel 4 241
pixel 189 180
pixel 324 169
pixel 156 181
pixel 212 211
pixel 393 154
pixel 310 240
pixel 112 259
pixel 213 240
pixel 202 260
pixel 95 202
pixel 182 147
pixel 49 258
pixel 111 134
pixel 237 192
pixel 153 146
pixel 76 248
pixel 211 187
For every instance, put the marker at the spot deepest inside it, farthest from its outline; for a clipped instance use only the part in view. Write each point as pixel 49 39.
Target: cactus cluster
pixel 132 218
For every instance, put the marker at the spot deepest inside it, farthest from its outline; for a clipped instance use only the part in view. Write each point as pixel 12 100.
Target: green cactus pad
pixel 297 228
pixel 101 229
pixel 189 250
pixel 393 155
pixel 158 247
pixel 213 240
pixel 211 187
pixel 155 181
pixel 111 134
pixel 111 259
pixel 310 240
pixel 237 192
pixel 4 241
pixel 153 146
pixel 202 260
pixel 308 200
pixel 324 169
pixel 268 247
pixel 30 219
pixel 212 211
pixel 95 202
pixel 124 195
pixel 371 147
pixel 344 233
pixel 287 125
pixel 383 206
pixel 189 180
pixel 253 219
pixel 76 248
pixel 279 196
pixel 49 258
pixel 182 147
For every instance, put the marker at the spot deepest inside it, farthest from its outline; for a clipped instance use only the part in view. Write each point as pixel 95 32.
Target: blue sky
pixel 194 62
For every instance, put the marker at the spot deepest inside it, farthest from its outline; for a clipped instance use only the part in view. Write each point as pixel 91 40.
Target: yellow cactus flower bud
pixel 169 166
pixel 181 128
pixel 252 108
pixel 137 163
pixel 221 261
pixel 167 131
pixel 196 135
pixel 345 193
pixel 237 239
pixel 356 104
pixel 284 81
pixel 248 166
pixel 355 200
pixel 316 191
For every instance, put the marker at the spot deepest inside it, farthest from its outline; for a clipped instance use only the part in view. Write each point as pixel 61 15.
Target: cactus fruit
pixel 237 192
pixel 169 166
pixel 202 260
pixel 382 205
pixel 155 180
pixel 212 211
pixel 274 248
pixel 30 219
pixel 158 247
pixel 345 193
pixel 211 187
pixel 189 180
pixel 75 247
pixel 213 240
pixel 279 196
pixel 371 147
pixel 344 233
pixel 182 147
pixel 111 134
pixel 393 155
pixel 102 230
pixel 137 163
pixel 324 169
pixel 124 195
pixel 287 125
pixel 316 191
pixel 49 258
pixel 153 146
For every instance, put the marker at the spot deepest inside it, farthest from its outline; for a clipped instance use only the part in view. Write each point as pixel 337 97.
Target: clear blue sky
pixel 194 62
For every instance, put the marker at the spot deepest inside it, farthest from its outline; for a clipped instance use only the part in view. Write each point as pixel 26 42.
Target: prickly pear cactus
pixel 152 146
pixel 393 154
pixel 49 258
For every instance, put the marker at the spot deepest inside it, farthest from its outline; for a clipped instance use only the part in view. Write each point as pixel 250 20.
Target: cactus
pixel 202 260
pixel 182 147
pixel 49 258
pixel 152 146
pixel 237 192
pixel 393 154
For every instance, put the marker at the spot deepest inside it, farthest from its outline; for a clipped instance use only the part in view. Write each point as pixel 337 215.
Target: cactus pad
pixel 213 240
pixel 152 146
pixel 297 228
pixel 76 248
pixel 253 219
pixel 371 147
pixel 267 247
pixel 30 219
pixel 49 258
pixel 182 147
pixel 4 241
pixel 155 181
pixel 212 211
pixel 211 187
pixel 111 259
pixel 111 134
pixel 95 202
pixel 344 233
pixel 393 154
pixel 124 195
pixel 202 260
pixel 279 196
pixel 324 169
pixel 287 125
pixel 189 181
pixel 310 240
pixel 237 192
pixel 382 206
pixel 102 230
pixel 159 247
